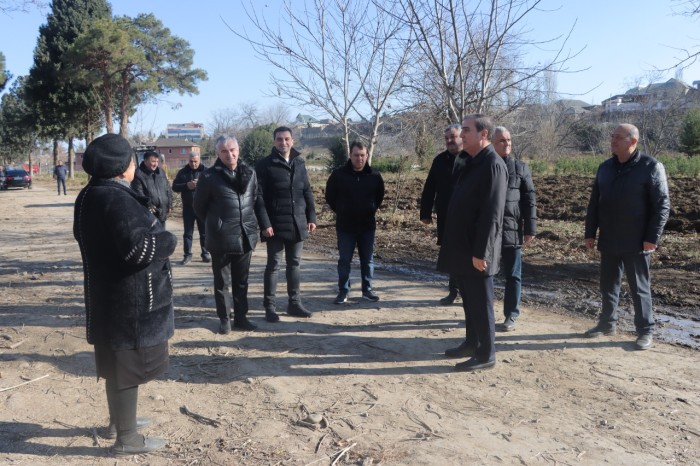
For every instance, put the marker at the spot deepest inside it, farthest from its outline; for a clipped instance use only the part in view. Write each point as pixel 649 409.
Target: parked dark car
pixel 17 178
pixel 2 178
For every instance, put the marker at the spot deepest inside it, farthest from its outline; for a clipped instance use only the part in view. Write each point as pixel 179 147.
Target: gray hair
pixel 454 126
pixel 194 154
pixel 221 140
pixel 500 129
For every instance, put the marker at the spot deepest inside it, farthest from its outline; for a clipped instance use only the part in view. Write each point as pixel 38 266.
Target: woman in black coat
pixel 128 286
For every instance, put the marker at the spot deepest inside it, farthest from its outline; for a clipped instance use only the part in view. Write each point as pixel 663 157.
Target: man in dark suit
pixel 471 245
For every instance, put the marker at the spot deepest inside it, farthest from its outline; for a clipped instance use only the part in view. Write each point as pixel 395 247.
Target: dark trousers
pixel 188 221
pixel 477 300
pixel 292 254
pixel 637 268
pixel 511 260
pixel 453 286
pixel 231 270
pixel 61 182
pixel 347 242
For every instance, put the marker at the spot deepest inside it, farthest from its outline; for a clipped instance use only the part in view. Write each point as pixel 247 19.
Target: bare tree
pixel 470 57
pixel 688 56
pixel 277 114
pixel 341 57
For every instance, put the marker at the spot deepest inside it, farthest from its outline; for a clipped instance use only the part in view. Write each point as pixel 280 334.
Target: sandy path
pixel 374 370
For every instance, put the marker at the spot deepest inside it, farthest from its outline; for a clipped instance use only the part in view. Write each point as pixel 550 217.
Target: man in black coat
pixel 437 191
pixel 286 220
pixel 150 181
pixel 471 246
pixel 355 192
pixel 519 225
pixel 185 183
pixel 629 207
pixel 226 199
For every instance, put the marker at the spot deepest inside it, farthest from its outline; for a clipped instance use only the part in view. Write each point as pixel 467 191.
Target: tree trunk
pixel 71 156
pixel 124 108
pixel 55 152
pixel 31 168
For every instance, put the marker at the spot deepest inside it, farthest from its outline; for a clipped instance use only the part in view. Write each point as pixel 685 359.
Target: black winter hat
pixel 107 156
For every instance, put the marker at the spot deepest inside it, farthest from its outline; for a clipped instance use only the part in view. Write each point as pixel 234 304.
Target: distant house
pixel 175 151
pixel 655 96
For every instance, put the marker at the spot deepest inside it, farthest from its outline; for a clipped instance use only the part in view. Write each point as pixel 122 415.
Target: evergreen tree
pixel 4 74
pixel 257 144
pixel 338 154
pixel 64 107
pixel 690 133
pixel 17 130
pixel 131 61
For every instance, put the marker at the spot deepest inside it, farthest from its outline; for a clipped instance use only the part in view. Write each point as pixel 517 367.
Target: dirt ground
pixel 375 372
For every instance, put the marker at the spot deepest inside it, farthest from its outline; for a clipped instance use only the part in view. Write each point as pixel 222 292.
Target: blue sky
pixel 624 41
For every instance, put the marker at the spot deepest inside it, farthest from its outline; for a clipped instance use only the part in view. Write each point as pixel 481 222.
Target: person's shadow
pixel 25 438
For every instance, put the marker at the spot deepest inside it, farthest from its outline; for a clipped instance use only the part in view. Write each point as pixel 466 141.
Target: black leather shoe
pixel 186 260
pixel 225 327
pixel 111 431
pixel 474 364
pixel 144 445
pixel 600 330
pixel 449 299
pixel 370 296
pixel 271 315
pixel 297 310
pixel 464 350
pixel 206 257
pixel 242 323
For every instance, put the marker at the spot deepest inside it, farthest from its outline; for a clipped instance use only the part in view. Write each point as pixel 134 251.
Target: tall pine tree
pixel 64 108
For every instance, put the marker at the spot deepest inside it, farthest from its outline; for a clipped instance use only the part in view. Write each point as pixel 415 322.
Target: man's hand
pixel 191 185
pixel 479 264
pixel 268 232
pixel 649 247
pixel 427 221
pixel 311 227
pixel 589 243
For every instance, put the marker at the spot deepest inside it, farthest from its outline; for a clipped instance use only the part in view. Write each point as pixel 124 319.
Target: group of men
pixel 486 211
pixel 231 202
pixel 485 203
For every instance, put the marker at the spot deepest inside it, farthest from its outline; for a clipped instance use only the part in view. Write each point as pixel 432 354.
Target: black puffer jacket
pixel 629 204
pixel 520 214
pixel 227 202
pixel 184 176
pixel 128 282
pixel 154 185
pixel 437 190
pixel 355 197
pixel 475 216
pixel 289 201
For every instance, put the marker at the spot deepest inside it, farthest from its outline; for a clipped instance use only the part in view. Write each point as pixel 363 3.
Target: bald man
pixel 628 209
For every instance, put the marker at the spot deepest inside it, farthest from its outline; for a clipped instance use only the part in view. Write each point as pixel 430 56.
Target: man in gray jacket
pixel 628 208
pixel 519 224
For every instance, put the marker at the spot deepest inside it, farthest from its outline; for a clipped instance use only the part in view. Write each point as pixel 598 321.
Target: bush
pixel 690 133
pixel 338 154
pixel 257 143
pixel 679 165
pixel 390 164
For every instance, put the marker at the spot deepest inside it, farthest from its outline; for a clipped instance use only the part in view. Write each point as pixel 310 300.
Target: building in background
pixel 191 131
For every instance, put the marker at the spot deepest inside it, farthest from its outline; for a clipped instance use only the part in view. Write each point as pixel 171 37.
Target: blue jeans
pixel 292 254
pixel 61 182
pixel 637 268
pixel 365 249
pixel 511 260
